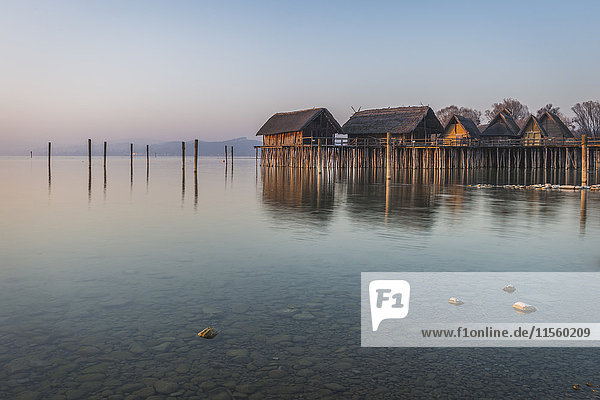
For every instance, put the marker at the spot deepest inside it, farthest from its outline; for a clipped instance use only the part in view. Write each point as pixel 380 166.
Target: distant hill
pixel 243 147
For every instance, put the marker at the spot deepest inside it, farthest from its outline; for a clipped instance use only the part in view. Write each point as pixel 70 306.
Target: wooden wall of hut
pixel 455 131
pixel 442 157
pixel 283 139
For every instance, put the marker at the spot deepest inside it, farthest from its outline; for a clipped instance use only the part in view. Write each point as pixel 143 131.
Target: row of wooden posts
pixel 131 153
pixel 393 157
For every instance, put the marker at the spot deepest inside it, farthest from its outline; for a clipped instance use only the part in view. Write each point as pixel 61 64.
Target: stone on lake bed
pixel 211 310
pixel 336 387
pixel 525 308
pixel 162 347
pixel 237 353
pixel 182 369
pixel 28 396
pixel 208 333
pixel 303 316
pixel 277 373
pixel 136 348
pixel 509 288
pixel 88 350
pixel 240 308
pixel 245 388
pixel 165 387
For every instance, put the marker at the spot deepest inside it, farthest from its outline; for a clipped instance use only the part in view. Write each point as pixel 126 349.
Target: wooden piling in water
pixel 319 161
pixel 225 155
pixel 148 156
pixel 90 153
pixel 49 154
pixel 195 155
pixel 388 163
pixel 584 159
pixel 232 156
pixel 104 156
pixel 131 159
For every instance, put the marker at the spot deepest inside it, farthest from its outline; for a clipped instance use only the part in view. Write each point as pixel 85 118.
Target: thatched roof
pixel 467 124
pixel 533 120
pixel 502 125
pixel 295 121
pixel 396 121
pixel 555 126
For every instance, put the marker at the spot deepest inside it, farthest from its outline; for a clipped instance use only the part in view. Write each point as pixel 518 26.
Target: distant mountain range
pixel 243 147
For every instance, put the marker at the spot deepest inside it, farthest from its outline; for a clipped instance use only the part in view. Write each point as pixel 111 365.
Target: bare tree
pixel 517 110
pixel 587 117
pixel 549 108
pixel 446 113
pixel 554 110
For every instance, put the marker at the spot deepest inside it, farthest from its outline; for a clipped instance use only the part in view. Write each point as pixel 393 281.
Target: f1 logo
pixel 388 299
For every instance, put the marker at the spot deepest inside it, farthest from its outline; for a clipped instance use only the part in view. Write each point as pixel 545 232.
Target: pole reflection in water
pixel 182 186
pixel 90 183
pixel 583 212
pixel 387 199
pixel 104 183
pixel 195 190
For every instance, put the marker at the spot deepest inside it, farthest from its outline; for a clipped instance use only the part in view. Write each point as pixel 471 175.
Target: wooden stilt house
pixel 460 130
pixel 302 127
pixel 548 126
pixel 408 123
pixel 502 127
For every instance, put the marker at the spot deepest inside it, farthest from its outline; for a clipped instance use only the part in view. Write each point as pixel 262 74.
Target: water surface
pixel 105 278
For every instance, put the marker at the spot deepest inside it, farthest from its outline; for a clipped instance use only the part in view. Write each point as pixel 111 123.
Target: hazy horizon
pixel 182 70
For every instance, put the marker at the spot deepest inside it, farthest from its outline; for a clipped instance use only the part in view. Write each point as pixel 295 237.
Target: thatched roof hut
pixel 548 126
pixel 503 126
pixel 459 127
pixel 299 127
pixel 401 122
pixel 554 126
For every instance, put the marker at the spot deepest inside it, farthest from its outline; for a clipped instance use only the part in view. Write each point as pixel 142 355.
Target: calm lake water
pixel 104 283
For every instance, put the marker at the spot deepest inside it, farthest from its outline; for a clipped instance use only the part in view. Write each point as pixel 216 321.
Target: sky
pixel 178 70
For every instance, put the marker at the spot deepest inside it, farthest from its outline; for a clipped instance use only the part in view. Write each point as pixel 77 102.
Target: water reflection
pixel 301 195
pixel 413 200
pixel 90 183
pixel 582 212
pixel 195 190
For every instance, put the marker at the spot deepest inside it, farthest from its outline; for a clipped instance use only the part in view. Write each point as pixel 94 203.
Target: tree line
pixel 586 120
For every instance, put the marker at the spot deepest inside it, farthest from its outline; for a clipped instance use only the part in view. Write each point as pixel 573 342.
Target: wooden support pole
pixel 584 166
pixel 49 154
pixel 225 155
pixel 195 155
pixel 319 156
pixel 147 156
pixel 388 158
pixel 232 156
pixel 104 156
pixel 90 153
pixel 131 157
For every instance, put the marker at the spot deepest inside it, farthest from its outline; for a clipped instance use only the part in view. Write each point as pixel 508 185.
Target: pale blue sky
pixel 216 70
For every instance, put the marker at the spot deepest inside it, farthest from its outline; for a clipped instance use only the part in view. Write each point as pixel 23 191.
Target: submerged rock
pixel 165 387
pixel 509 288
pixel 208 333
pixel 524 308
